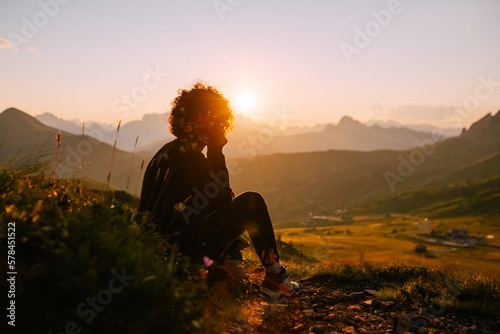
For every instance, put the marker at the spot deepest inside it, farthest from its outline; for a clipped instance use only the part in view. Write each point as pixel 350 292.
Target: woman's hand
pixel 217 140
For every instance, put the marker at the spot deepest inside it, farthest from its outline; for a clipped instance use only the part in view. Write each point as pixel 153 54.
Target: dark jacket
pixel 181 186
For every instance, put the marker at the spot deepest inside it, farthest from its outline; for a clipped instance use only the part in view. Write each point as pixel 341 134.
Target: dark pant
pixel 247 212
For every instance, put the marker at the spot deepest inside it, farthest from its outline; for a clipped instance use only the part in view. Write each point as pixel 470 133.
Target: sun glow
pixel 245 102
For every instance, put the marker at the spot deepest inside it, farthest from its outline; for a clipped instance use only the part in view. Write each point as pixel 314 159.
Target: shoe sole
pixel 278 294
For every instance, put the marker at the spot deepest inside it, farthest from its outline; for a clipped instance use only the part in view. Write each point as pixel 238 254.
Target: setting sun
pixel 245 102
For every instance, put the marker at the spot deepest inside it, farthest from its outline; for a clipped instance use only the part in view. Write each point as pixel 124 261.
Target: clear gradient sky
pixel 414 61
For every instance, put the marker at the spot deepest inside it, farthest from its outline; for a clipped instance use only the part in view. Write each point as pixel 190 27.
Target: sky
pixel 435 62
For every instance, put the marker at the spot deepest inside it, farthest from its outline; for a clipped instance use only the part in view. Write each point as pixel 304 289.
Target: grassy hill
pixel 26 141
pixel 86 262
pixel 471 197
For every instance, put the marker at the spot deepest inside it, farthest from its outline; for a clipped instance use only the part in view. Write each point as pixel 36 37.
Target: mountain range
pixel 293 184
pixel 300 183
pixel 250 138
pixel 422 127
pixel 151 128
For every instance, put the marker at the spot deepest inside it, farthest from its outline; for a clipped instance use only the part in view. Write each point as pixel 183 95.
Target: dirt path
pixel 323 306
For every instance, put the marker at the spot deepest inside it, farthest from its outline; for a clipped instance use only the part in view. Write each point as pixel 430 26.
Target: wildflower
pixel 207 261
pixel 83 165
pixel 58 139
pixel 35 214
pixel 179 207
pixel 10 208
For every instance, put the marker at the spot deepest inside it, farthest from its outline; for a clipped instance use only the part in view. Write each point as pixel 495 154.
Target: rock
pixel 402 323
pixel 354 308
pixel 382 305
pixel 342 307
pixel 308 313
pixel 349 330
pixel 277 307
pixel 318 329
pixel 353 296
pixel 378 304
pixel 339 296
pixel 300 305
pixel 369 331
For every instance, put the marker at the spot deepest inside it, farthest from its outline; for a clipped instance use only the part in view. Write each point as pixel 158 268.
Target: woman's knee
pixel 251 200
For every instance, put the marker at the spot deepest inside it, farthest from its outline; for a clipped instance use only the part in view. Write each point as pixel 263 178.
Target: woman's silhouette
pixel 189 196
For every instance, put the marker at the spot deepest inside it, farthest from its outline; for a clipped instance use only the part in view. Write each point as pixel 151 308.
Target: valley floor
pixel 393 239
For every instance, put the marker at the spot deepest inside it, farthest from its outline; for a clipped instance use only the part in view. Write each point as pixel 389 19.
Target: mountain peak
pixel 12 112
pixel 348 121
pixel 18 119
pixel 47 115
pixel 488 125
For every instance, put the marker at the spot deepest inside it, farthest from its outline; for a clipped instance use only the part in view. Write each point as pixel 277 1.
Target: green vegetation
pixel 421 286
pixel 387 293
pixel 75 247
pixel 473 197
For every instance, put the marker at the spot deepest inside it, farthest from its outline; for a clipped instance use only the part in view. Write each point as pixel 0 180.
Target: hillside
pixel 71 242
pixel 296 184
pixel 24 139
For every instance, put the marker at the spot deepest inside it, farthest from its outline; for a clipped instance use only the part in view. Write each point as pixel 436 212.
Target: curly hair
pixel 198 112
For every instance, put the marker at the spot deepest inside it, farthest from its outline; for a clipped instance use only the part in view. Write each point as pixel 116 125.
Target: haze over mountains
pixel 250 138
pixel 151 128
pixel 422 127
pixel 294 184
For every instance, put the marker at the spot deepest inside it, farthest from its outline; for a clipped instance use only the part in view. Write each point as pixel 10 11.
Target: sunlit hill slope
pixel 25 140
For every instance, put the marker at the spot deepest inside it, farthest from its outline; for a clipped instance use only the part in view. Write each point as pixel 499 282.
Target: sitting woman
pixel 189 196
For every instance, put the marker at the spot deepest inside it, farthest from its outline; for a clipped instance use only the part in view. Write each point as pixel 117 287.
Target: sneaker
pixel 277 285
pixel 233 259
